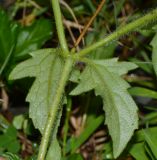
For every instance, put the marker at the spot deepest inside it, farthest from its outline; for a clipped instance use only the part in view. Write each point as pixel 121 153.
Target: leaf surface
pixel 32 37
pixel 46 65
pixel 143 92
pixel 151 140
pixel 8 140
pixel 17 41
pixel 8 34
pixel 138 151
pixel 54 151
pixel 154 52
pixel 120 110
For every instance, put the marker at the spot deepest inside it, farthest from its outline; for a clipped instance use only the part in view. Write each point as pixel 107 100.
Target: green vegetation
pixel 89 98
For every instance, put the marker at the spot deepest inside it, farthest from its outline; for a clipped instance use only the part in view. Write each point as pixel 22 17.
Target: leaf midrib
pixel 108 89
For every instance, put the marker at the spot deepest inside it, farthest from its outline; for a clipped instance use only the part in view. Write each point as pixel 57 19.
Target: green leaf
pixel 46 65
pixel 4 124
pixel 108 154
pixel 121 112
pixel 149 118
pixel 138 151
pixel 74 76
pixel 17 41
pixel 32 38
pixel 9 140
pixel 151 140
pixel 54 151
pixel 139 135
pixel 143 92
pixel 147 67
pixel 18 121
pixel 149 152
pixel 8 34
pixel 154 52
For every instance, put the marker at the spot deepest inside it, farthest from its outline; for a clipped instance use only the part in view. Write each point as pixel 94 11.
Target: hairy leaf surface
pixel 54 151
pixel 121 112
pixel 46 65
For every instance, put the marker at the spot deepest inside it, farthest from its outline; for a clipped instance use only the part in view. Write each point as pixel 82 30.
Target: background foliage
pixel 26 26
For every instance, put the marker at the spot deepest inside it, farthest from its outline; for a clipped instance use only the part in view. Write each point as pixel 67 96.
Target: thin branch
pixel 74 25
pixel 74 17
pixel 72 13
pixel 127 29
pixel 34 4
pixel 71 33
pixel 5 99
pixel 64 77
pixel 90 22
pixel 54 110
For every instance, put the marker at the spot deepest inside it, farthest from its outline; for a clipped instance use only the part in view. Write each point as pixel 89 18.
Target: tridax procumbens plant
pixel 53 68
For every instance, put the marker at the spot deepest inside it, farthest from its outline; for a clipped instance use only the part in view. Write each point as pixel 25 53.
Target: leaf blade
pixel 32 37
pixel 46 65
pixel 8 34
pixel 121 111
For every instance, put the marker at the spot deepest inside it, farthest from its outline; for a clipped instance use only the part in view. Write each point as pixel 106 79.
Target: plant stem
pixel 59 93
pixel 54 109
pixel 133 26
pixel 6 60
pixel 66 125
pixel 59 26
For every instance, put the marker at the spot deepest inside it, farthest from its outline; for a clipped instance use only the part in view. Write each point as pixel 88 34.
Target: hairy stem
pixel 133 26
pixel 66 125
pixel 59 26
pixel 54 109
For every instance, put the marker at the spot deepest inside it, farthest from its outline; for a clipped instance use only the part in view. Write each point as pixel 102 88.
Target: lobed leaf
pixel 54 151
pixel 46 66
pixel 121 112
